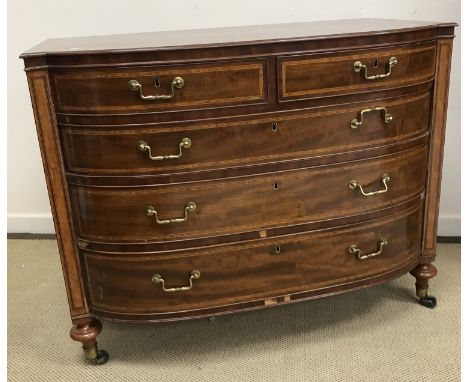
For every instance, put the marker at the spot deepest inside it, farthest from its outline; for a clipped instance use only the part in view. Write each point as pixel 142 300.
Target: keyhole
pixel 376 63
pixel 275 186
pixel 274 126
pixel 157 83
pixel 278 249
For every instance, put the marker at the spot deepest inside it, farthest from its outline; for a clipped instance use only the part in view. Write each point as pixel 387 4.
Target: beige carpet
pixel 376 334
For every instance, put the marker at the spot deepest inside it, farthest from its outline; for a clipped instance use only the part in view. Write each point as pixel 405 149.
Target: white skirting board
pixel 30 223
pixel 449 225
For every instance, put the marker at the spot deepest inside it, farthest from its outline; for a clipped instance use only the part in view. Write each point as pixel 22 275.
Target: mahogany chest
pixel 197 173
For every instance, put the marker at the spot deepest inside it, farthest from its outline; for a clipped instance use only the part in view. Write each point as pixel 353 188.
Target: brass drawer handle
pixel 176 83
pixel 358 66
pixel 194 275
pixel 356 122
pixel 189 207
pixel 185 143
pixel 354 250
pixel 385 179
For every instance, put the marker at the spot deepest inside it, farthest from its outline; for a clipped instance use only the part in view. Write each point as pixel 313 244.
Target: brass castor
pixel 96 356
pixel 428 301
pixel 101 358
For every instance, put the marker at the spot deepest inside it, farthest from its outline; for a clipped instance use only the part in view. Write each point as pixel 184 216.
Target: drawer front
pixel 217 145
pixel 258 270
pixel 222 207
pixel 355 72
pixel 203 86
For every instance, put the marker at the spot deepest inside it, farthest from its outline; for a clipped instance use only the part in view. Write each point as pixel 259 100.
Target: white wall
pixel 32 21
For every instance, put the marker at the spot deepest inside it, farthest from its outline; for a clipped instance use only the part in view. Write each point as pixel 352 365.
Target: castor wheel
pixel 428 301
pixel 101 359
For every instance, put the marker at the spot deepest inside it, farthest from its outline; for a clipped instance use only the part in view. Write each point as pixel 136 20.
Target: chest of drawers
pixel 203 172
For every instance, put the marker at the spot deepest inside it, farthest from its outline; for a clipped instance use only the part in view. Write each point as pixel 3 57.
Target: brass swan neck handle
pixel 189 207
pixel 358 66
pixel 184 143
pixel 387 117
pixel 176 83
pixel 194 275
pixel 355 184
pixel 354 250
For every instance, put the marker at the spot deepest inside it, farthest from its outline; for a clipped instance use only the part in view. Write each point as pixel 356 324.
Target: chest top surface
pixel 212 37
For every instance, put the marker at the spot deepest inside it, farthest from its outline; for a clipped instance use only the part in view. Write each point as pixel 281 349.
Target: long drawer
pixel 225 206
pixel 147 89
pixel 210 277
pixel 311 76
pixel 184 147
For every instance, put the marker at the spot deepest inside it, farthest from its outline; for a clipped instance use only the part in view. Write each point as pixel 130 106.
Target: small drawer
pixel 164 88
pixel 227 206
pixel 302 77
pixel 190 147
pixel 206 278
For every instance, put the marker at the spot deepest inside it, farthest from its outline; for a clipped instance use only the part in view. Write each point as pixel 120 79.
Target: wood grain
pixel 39 87
pixel 439 114
pixel 113 150
pixel 317 76
pixel 230 83
pixel 240 35
pixel 242 112
pixel 238 205
pixel 305 262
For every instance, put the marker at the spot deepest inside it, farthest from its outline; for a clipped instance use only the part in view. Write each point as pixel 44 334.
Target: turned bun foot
pixel 86 331
pixel 422 273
